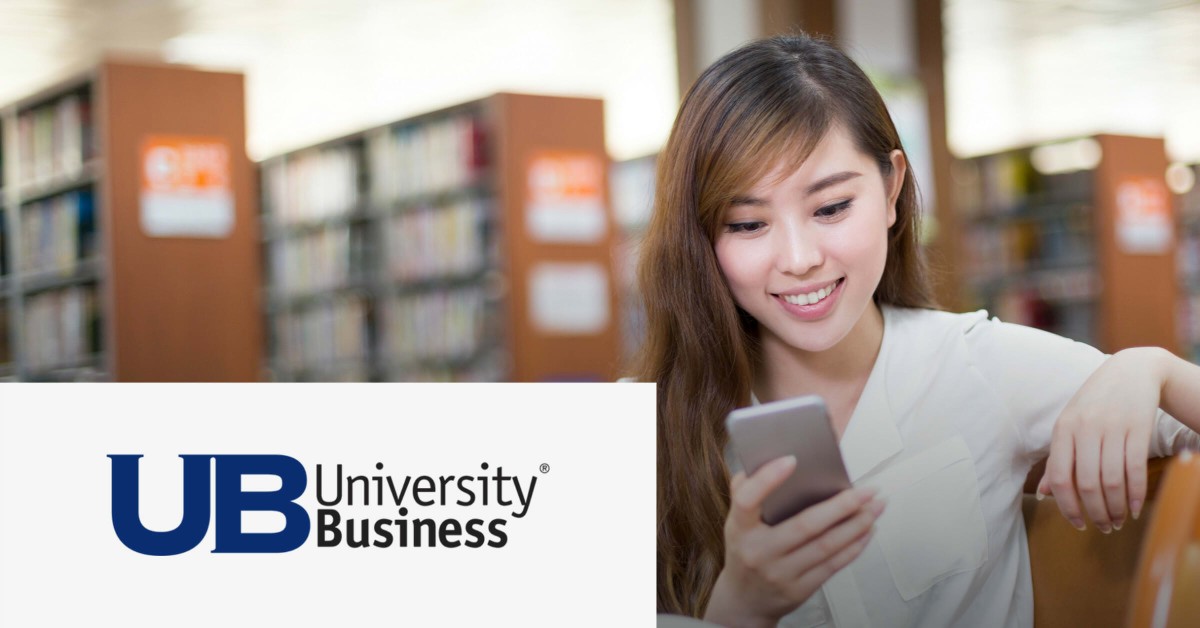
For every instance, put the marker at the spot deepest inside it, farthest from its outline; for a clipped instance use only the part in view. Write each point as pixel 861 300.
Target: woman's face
pixel 802 252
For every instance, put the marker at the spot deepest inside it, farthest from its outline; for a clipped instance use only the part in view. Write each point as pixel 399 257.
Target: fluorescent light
pixel 1063 157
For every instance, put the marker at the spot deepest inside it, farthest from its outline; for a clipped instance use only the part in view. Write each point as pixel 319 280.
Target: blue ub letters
pixel 231 501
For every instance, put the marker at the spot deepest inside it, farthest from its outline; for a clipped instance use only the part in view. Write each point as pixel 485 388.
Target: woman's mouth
pixel 812 298
pixel 813 304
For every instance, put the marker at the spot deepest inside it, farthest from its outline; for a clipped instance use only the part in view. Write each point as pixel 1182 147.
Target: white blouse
pixel 956 411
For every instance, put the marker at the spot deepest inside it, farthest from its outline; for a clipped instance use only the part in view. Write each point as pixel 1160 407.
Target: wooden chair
pixel 1166 591
pixel 1083 578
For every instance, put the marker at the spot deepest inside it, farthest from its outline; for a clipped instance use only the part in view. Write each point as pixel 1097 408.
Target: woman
pixel 782 260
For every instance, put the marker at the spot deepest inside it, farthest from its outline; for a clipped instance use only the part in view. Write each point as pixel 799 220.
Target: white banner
pixel 355 504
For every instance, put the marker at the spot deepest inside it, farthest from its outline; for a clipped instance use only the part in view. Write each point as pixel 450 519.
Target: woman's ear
pixel 895 182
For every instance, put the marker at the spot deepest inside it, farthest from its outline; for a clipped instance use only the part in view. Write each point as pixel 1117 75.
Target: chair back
pixel 1166 590
pixel 1082 578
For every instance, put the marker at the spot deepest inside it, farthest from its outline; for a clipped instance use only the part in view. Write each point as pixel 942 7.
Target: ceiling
pixel 1023 71
pixel 321 68
pixel 1018 71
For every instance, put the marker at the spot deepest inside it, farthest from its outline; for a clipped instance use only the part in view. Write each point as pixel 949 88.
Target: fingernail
pixel 1104 528
pixel 1078 524
pixel 1040 496
pixel 1118 523
pixel 878 505
pixel 1136 507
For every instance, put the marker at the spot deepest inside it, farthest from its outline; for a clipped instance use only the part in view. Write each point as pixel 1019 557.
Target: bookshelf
pixel 1073 238
pixel 472 243
pixel 7 197
pixel 113 270
pixel 1189 267
pixel 632 184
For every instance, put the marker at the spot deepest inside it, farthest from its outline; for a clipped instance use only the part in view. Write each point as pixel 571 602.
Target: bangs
pixel 777 141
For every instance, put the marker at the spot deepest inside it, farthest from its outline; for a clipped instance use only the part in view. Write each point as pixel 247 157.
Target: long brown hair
pixel 772 99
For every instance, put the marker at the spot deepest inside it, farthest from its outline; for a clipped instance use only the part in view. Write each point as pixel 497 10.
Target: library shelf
pixel 82 272
pixel 1063 249
pixel 60 184
pixel 1188 203
pixel 102 284
pixel 464 222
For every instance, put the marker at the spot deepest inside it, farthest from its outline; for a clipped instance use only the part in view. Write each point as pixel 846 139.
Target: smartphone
pixel 799 427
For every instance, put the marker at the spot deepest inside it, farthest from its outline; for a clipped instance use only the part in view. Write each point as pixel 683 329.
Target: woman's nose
pixel 798 251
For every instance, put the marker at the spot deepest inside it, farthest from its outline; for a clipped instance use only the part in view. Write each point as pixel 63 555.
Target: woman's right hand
pixel 771 570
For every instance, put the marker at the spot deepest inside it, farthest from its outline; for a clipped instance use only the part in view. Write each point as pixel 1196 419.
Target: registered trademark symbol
pixel 545 468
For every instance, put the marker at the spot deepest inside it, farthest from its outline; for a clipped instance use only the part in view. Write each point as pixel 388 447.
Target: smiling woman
pixel 781 260
pixel 825 241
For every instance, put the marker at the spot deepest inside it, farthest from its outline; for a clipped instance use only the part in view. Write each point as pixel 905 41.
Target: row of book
pixel 61 328
pixel 325 337
pixel 445 325
pixel 1189 325
pixel 1006 183
pixel 991 249
pixel 313 185
pixel 435 156
pixel 1058 284
pixel 1027 306
pixel 493 365
pixel 1188 260
pixel 1029 242
pixel 325 260
pixel 57 233
pixel 433 242
pixel 54 140
pixel 1188 255
pixel 631 185
pixel 5 347
pixel 4 244
pixel 434 336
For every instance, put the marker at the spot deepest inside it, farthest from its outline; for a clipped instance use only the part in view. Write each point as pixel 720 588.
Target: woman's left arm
pixel 1102 438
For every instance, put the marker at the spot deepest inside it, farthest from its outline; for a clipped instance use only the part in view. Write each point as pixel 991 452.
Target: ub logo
pixel 231 501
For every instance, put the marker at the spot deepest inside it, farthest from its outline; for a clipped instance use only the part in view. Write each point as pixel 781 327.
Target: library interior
pixel 371 191
pixel 418 191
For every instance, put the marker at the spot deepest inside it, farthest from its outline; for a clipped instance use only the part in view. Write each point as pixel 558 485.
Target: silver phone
pixel 799 427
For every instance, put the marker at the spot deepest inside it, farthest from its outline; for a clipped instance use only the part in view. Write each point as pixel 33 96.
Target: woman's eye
pixel 744 227
pixel 829 211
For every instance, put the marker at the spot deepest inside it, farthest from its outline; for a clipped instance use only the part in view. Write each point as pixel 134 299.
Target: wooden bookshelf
pixel 427 249
pixel 1070 252
pixel 632 185
pixel 1189 268
pixel 109 273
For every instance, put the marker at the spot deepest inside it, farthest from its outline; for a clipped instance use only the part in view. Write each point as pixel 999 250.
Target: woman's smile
pixel 814 304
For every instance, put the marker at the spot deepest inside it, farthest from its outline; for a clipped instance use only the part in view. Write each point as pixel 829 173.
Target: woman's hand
pixel 1102 439
pixel 770 570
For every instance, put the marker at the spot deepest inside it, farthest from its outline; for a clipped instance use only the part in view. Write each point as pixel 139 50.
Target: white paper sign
pixel 569 298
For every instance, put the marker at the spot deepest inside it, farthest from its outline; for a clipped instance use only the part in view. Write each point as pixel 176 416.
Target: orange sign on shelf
pixel 566 197
pixel 1144 222
pixel 186 187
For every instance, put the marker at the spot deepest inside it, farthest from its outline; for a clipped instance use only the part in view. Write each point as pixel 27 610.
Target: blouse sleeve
pixel 1171 437
pixel 1036 373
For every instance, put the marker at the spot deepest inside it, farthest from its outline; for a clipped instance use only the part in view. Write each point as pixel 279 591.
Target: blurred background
pixel 403 190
